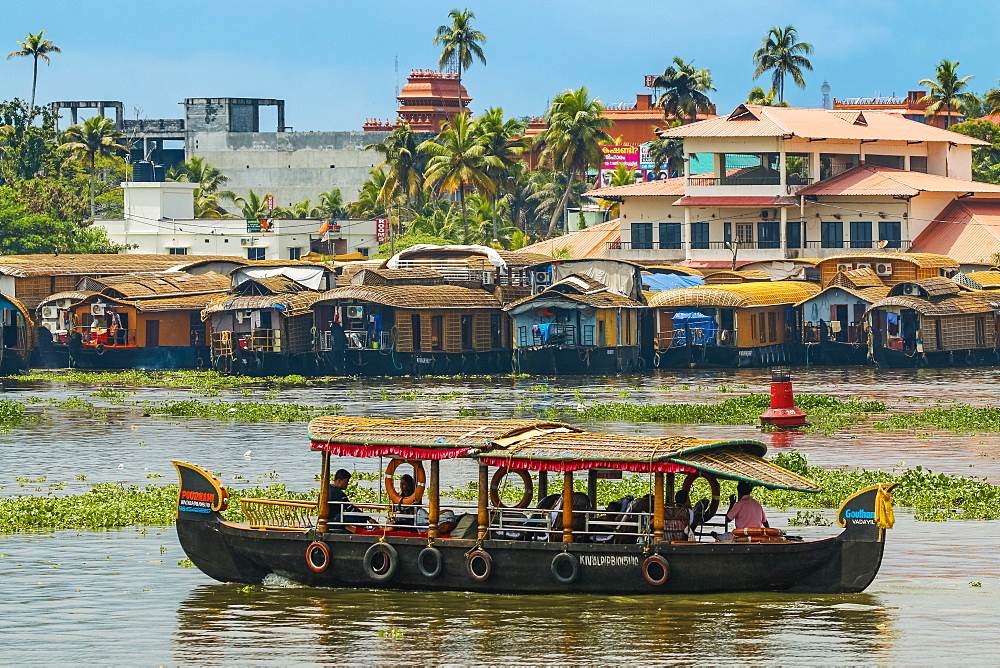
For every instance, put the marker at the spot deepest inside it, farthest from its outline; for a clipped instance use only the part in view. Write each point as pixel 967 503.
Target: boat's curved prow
pixel 200 500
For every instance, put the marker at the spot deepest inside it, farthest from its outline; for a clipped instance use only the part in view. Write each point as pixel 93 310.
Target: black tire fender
pixel 389 563
pixel 430 562
pixel 560 563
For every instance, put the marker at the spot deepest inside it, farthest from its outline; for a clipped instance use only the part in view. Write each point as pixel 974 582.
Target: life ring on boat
pixel 419 475
pixel 757 531
pixel 430 562
pixel 713 484
pixel 480 565
pixel 380 562
pixel 317 556
pixel 655 569
pixel 99 349
pixel 565 568
pixel 497 481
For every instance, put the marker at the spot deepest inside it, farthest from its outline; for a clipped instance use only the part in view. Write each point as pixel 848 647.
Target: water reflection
pixel 219 623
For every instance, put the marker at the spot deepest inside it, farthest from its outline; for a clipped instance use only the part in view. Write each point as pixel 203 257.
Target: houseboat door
pixel 152 333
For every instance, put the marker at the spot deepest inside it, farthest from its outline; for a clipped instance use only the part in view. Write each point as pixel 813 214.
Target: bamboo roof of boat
pixel 23 266
pixel 416 296
pixel 770 293
pixel 411 276
pixel 75 295
pixel 959 305
pixel 578 288
pixel 986 279
pixel 549 446
pixel 922 260
pixel 141 285
pixel 289 304
pixel 870 295
pixel 172 303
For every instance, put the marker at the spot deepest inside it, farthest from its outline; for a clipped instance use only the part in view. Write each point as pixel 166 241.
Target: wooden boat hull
pixel 559 360
pixel 834 353
pixel 711 356
pixel 886 358
pixel 160 357
pixel 368 362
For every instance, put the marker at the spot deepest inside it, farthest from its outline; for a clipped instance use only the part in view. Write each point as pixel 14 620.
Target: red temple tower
pixel 428 99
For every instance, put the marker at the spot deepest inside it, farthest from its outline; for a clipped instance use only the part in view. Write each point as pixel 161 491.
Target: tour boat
pixel 564 547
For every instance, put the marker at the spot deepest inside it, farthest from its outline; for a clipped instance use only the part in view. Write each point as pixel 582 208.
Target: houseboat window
pixel 918 163
pixel 699 235
pixel 670 235
pixel 415 326
pixel 496 331
pixel 793 234
pixel 602 339
pixel 197 328
pixel 744 233
pixel 642 236
pixel 177 251
pixel 772 326
pixel 294 253
pixel 762 329
pixel 256 253
pixel 893 161
pixel 466 332
pixel 753 327
pixel 891 231
pixel 437 332
pixel 797 169
pixel 832 233
pixel 831 164
pixel 769 234
pixel 981 332
pixel 726 319
pixel 861 234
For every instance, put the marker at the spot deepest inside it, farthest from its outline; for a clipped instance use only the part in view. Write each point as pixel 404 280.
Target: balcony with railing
pixel 114 337
pixel 554 334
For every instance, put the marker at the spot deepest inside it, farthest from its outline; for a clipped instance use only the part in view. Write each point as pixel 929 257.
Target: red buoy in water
pixel 783 412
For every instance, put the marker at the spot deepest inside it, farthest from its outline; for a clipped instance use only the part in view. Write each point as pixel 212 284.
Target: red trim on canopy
pixel 577 465
pixel 404 451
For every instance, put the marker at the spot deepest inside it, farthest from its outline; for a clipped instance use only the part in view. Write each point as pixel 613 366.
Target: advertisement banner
pixel 381 230
pixel 620 155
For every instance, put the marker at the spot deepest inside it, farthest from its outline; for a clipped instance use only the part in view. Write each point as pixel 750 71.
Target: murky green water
pixel 119 597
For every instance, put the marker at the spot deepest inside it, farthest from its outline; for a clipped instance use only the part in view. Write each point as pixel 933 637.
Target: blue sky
pixel 333 62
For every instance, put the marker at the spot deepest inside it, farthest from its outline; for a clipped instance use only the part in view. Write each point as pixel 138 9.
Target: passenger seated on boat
pixel 678 517
pixel 605 525
pixel 581 502
pixel 342 511
pixel 404 514
pixel 539 521
pixel 745 513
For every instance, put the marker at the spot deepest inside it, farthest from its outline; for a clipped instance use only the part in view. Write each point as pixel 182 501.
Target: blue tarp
pixel 660 282
pixel 700 327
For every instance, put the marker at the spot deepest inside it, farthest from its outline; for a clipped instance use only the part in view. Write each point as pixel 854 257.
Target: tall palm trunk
pixel 561 210
pixel 93 205
pixel 34 85
pixel 465 220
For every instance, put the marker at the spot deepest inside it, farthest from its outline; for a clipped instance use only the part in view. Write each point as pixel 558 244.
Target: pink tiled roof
pixel 757 121
pixel 663 187
pixel 591 242
pixel 724 201
pixel 968 230
pixel 871 180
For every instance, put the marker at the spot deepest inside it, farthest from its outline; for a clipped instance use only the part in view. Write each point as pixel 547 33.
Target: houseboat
pixel 408 322
pixel 263 328
pixel 742 325
pixel 161 333
pixel 16 336
pixel 934 322
pixel 539 544
pixel 833 322
pixel 55 326
pixel 890 268
pixel 577 325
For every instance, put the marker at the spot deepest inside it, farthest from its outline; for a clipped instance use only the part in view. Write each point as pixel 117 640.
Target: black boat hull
pixel 564 360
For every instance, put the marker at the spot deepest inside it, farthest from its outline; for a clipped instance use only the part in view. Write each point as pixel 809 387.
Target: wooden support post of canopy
pixel 543 485
pixel 658 518
pixel 484 499
pixel 671 494
pixel 567 503
pixel 434 506
pixel 323 512
pixel 592 486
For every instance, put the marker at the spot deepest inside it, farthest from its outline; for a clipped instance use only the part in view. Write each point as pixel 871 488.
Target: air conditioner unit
pixel 845 267
pixel 355 312
pixel 97 308
pixel 768 214
pixel 862 265
pixel 50 313
pixel 910 289
pixel 542 277
pixel 488 278
pixel 246 241
pixel 883 269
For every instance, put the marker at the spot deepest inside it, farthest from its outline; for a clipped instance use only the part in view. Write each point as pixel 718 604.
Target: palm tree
pixel 457 160
pixel 575 130
pixel 946 92
pixel 305 209
pixel 759 97
pixel 685 91
pixel 36 47
pixel 331 204
pixel 255 206
pixel 992 101
pixel 667 151
pixel 503 141
pixel 368 204
pixel 96 136
pixel 405 165
pixel 460 41
pixel 780 52
pixel 207 197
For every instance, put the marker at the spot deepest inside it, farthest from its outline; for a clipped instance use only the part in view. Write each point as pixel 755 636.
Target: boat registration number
pixel 608 560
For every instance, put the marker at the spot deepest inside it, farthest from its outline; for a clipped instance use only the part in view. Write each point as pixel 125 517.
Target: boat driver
pixel 342 511
pixel 746 513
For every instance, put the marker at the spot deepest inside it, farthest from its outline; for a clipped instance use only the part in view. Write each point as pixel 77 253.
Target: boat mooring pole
pixel 323 512
pixel 658 507
pixel 484 498
pixel 567 506
pixel 434 507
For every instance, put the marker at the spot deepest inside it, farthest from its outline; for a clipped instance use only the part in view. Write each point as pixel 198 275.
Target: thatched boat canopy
pixel 288 304
pixel 415 296
pixel 742 295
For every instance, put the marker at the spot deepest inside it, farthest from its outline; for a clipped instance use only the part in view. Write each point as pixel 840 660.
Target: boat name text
pixel 608 560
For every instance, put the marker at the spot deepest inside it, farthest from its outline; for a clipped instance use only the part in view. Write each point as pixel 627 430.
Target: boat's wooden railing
pixel 279 514
pixel 222 344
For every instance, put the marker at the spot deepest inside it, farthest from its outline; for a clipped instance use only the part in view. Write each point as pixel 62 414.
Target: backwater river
pixel 120 596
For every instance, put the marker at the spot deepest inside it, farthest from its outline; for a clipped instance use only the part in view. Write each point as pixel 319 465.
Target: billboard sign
pixel 381 230
pixel 270 202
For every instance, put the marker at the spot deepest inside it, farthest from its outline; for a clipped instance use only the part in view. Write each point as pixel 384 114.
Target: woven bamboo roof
pixel 75 295
pixel 156 284
pixel 964 304
pixel 17 304
pixel 673 268
pixel 857 278
pixel 922 260
pixel 410 276
pixel 581 289
pixel 870 295
pixel 23 266
pixel 288 304
pixel 272 285
pixel 736 296
pixel 742 276
pixel 536 445
pixel 416 296
pixel 987 279
pixel 176 303
pixel 931 287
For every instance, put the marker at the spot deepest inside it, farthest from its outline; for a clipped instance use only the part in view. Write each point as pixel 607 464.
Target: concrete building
pixel 793 183
pixel 908 107
pixel 159 218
